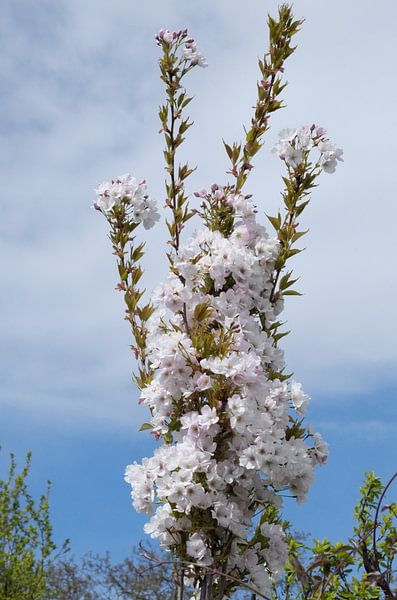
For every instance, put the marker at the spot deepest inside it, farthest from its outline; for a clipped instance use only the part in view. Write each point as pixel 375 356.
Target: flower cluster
pixel 125 190
pixel 214 398
pixel 295 145
pixel 192 54
pixel 190 50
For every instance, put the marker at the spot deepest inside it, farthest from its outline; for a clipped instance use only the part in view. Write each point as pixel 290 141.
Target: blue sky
pixel 79 97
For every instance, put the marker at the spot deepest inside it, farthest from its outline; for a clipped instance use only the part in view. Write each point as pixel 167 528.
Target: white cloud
pixel 81 94
pixel 371 430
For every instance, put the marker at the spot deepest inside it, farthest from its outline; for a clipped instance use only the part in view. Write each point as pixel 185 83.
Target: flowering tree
pixel 229 421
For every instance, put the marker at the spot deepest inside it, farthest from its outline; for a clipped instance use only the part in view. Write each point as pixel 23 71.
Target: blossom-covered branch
pixel 296 148
pixel 125 203
pixel 306 152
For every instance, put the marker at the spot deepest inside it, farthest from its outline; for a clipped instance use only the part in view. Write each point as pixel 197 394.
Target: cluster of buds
pixel 169 37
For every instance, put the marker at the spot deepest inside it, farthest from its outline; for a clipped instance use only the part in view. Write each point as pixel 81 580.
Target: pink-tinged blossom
pixel 330 155
pixel 203 382
pixel 165 35
pixel 126 190
pixel 276 554
pixel 193 55
pixel 320 451
pixel 295 145
pixel 168 37
pixel 196 548
pixel 299 399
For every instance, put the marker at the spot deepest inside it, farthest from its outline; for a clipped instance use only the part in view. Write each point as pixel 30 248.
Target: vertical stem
pixel 180 584
pixel 222 581
pixel 203 593
pixel 286 226
pixel 172 163
pixel 209 588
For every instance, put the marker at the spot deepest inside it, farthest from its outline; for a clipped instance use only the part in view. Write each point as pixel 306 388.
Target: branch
pixel 281 32
pixel 173 68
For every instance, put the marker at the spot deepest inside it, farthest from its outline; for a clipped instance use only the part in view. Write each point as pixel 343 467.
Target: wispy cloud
pixel 372 430
pixel 80 94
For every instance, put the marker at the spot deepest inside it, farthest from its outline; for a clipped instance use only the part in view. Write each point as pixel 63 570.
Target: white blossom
pixel 295 145
pixel 126 189
pixel 192 54
pixel 197 548
pixel 299 399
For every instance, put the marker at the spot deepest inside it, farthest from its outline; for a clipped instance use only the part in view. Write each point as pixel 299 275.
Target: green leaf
pixel 286 282
pixel 275 221
pixel 146 312
pixel 299 209
pixel 167 437
pixel 145 427
pixel 186 102
pixel 228 150
pixel 298 234
pixel 202 312
pixel 122 272
pixel 184 126
pixel 293 252
pixel 278 336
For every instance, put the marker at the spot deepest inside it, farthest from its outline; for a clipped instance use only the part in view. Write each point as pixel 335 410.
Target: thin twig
pixel 374 550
